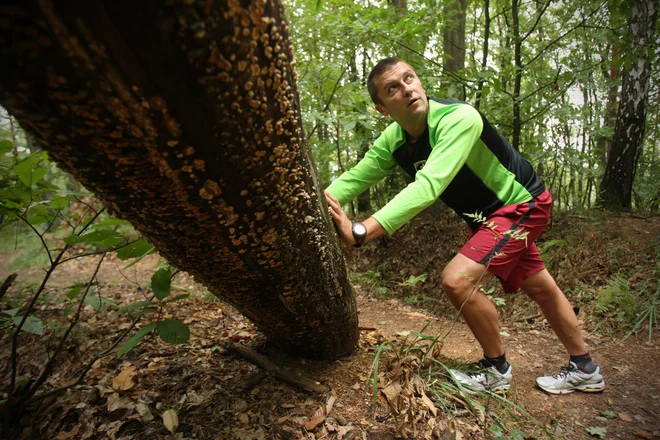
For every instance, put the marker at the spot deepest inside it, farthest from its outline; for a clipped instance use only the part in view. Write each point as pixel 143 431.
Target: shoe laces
pixel 484 368
pixel 564 372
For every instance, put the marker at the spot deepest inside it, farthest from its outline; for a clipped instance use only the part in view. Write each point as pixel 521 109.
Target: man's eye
pixel 392 89
pixel 409 78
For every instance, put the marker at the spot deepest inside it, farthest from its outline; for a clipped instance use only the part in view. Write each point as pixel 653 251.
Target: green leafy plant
pixel 543 248
pixel 617 295
pixel 371 279
pixel 649 309
pixel 31 324
pixel 648 316
pixel 66 225
pixel 169 330
pixel 409 286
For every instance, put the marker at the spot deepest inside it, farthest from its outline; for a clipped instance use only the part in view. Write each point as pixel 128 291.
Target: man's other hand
pixel 344 225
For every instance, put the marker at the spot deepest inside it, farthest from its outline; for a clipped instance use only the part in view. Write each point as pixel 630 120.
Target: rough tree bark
pixel 183 117
pixel 616 188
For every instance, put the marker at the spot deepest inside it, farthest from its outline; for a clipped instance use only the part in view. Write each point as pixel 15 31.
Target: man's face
pixel 402 95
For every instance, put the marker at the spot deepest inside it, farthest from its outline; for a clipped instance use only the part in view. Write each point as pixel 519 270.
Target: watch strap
pixel 359 238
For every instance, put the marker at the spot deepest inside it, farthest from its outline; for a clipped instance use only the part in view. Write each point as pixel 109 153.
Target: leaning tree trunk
pixel 183 117
pixel 626 149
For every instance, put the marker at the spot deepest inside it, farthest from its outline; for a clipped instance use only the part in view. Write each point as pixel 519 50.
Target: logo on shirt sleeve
pixel 419 165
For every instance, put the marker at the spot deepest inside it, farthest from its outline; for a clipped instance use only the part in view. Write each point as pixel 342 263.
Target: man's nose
pixel 407 89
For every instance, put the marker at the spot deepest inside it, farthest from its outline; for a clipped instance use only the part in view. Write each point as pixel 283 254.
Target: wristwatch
pixel 359 233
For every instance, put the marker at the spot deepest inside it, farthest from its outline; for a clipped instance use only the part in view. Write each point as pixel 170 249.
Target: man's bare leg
pixel 582 374
pixel 458 281
pixel 541 288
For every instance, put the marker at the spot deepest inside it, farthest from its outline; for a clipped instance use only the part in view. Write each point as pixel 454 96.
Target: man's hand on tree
pixel 344 225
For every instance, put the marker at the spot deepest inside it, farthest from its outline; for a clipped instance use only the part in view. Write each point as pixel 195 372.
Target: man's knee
pixel 541 287
pixel 456 285
pixel 460 277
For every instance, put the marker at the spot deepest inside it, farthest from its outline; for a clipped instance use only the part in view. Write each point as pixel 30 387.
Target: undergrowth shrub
pixel 54 221
pixel 618 296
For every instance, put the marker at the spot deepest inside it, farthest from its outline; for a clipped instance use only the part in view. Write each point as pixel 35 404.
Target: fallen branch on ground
pixel 275 370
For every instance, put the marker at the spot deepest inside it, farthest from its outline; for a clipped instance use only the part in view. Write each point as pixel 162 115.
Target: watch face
pixel 359 229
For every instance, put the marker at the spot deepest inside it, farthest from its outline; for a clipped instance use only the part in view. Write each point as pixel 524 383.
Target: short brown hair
pixel 381 67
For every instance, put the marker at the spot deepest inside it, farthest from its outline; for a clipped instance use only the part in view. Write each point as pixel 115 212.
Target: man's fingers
pixel 334 204
pixel 330 198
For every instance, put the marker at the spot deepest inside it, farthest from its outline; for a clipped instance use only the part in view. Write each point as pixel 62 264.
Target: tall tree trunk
pixel 517 125
pixel 616 188
pixel 454 35
pixel 504 38
pixel 400 6
pixel 605 143
pixel 484 52
pixel 183 117
pixel 364 199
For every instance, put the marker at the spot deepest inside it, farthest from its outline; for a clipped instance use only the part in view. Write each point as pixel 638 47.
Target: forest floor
pixel 217 395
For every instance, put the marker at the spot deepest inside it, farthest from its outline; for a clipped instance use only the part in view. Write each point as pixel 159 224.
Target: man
pixel 453 153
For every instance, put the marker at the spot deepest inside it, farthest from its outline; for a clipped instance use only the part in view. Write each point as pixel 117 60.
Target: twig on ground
pixel 529 317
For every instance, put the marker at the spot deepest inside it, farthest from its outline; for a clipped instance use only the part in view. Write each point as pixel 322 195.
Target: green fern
pixel 617 295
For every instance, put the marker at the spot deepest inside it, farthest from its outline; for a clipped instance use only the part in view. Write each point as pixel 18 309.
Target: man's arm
pixel 452 140
pixel 376 164
pixel 344 225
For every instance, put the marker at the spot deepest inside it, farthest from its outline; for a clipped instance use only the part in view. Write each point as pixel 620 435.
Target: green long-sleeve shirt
pixel 460 158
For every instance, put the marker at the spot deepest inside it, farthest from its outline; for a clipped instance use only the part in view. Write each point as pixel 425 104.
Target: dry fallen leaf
pixel 155 365
pixel 144 411
pixel 283 419
pixel 124 380
pixel 625 417
pixel 240 335
pixel 328 406
pixel 116 403
pixel 429 404
pixel 452 432
pixel 371 338
pixel 392 391
pixel 420 315
pixel 171 420
pixel 193 398
pixel 321 413
pixel 317 418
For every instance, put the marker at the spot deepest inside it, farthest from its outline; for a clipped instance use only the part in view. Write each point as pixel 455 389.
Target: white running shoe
pixel 487 378
pixel 571 379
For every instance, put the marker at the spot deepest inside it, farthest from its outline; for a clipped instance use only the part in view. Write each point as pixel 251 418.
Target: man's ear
pixel 382 110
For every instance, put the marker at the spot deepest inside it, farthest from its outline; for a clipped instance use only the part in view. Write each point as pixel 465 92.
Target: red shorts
pixel 504 243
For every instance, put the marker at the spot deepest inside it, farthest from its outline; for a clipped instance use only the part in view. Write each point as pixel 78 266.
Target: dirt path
pixel 632 395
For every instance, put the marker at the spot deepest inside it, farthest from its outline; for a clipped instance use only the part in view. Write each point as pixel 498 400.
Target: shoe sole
pixel 499 391
pixel 587 388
